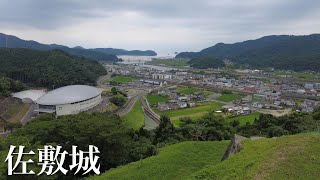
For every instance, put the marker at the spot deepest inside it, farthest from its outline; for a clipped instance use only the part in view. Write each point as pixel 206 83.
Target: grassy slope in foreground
pixel 287 157
pixel 135 118
pixel 174 162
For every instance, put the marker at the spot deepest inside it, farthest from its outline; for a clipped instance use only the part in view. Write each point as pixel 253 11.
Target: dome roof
pixel 68 94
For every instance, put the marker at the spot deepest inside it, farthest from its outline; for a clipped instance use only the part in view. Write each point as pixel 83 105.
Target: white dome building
pixel 69 100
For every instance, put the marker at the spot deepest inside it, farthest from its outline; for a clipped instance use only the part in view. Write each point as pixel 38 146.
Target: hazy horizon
pixel 163 26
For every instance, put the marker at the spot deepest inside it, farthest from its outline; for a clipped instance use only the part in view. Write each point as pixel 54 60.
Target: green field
pixel 135 118
pixel 177 161
pixel 230 97
pixel 197 111
pixel 155 99
pixel 245 118
pixel 122 79
pixel 299 75
pixel 169 62
pixel 188 90
pixel 287 157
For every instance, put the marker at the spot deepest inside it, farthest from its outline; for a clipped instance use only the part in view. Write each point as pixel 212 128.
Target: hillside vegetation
pixel 287 157
pixel 297 53
pixel 135 118
pixel 48 68
pixel 174 162
pixel 15 42
pixel 8 85
pixel 118 144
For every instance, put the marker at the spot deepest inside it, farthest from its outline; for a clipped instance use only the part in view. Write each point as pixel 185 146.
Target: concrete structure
pixel 69 100
pixel 161 76
pixel 29 95
pixel 153 82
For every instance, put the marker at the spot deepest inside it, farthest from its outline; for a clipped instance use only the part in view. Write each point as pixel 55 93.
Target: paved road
pixel 102 79
pixel 148 110
pixel 128 106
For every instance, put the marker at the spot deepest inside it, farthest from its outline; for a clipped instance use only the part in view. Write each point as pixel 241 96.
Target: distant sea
pixel 142 59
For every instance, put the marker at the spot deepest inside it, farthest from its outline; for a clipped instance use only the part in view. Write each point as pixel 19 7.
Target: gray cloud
pixel 179 24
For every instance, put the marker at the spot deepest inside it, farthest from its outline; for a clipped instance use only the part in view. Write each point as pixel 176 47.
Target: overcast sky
pixel 161 25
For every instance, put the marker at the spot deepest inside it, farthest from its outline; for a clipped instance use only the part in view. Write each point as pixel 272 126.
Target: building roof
pixel 30 94
pixel 68 94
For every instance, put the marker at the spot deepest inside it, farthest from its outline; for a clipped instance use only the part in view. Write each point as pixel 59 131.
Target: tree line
pixel 8 85
pixel 120 145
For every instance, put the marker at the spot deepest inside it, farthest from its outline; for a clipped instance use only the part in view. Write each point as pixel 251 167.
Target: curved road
pixel 128 106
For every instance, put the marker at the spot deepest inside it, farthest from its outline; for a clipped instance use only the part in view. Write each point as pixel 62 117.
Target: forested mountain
pixel 281 52
pixel 206 61
pixel 15 42
pixel 125 52
pixel 52 68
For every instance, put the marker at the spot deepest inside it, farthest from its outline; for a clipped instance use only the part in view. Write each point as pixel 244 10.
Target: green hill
pixel 297 53
pixel 286 157
pixel 10 41
pixel 50 69
pixel 174 162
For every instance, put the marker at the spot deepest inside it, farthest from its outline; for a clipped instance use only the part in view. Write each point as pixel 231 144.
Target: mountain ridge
pixel 278 51
pixel 100 54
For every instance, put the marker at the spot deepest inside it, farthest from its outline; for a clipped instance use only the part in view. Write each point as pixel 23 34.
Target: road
pixel 102 79
pixel 128 106
pixel 148 110
pixel 138 93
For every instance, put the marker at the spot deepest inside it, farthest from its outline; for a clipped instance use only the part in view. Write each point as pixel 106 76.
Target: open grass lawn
pixel 299 75
pixel 287 157
pixel 188 90
pixel 230 97
pixel 245 118
pixel 122 79
pixel 135 118
pixel 16 112
pixel 155 99
pixel 169 62
pixel 176 161
pixel 199 110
